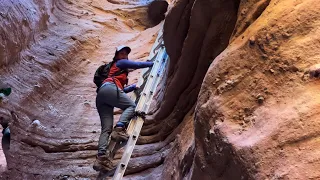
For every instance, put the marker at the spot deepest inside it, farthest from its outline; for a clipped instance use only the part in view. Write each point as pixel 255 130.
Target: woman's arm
pixel 129 88
pixel 127 64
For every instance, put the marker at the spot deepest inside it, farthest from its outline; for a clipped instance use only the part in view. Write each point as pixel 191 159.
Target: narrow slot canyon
pixel 238 99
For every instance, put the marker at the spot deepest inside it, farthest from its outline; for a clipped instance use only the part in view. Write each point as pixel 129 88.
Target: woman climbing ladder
pixel 112 94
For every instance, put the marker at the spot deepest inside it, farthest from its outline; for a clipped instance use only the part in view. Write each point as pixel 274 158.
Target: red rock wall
pixel 20 22
pixel 192 37
pixel 256 116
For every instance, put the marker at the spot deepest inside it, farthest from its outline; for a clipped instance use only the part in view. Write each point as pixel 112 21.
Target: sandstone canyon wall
pixel 256 114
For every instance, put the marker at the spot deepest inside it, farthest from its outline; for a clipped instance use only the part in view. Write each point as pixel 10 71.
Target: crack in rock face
pixel 239 99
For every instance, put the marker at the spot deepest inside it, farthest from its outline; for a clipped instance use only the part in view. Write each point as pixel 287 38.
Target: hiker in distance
pixel 110 80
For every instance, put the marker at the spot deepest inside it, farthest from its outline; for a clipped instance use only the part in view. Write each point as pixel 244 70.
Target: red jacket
pixel 120 80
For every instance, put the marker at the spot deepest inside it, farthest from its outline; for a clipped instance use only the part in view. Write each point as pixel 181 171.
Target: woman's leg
pixel 122 101
pixel 108 97
pixel 128 107
pixel 106 117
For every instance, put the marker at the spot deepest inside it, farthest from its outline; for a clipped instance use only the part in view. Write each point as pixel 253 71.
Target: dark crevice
pixel 187 161
pixel 157 10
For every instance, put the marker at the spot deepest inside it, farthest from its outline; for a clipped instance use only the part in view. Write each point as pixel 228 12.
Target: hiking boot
pixel 102 163
pixel 119 134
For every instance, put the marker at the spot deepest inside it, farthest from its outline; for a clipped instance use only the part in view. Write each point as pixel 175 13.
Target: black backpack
pixel 102 73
